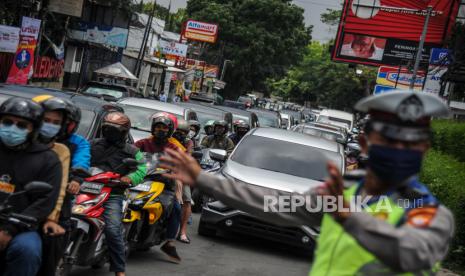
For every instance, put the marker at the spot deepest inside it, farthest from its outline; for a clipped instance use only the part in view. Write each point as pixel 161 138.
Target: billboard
pixel 211 71
pixel 100 34
pixel 200 31
pixel 389 76
pixel 9 39
pixel 387 32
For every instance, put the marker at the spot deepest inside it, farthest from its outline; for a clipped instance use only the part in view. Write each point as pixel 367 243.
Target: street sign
pixel 388 76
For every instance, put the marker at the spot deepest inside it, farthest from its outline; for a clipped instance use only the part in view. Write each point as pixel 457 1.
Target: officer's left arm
pixel 138 176
pixel 416 245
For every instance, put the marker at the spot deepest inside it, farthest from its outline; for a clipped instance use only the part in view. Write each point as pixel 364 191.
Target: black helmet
pixel 23 108
pixel 73 118
pixel 167 119
pixel 222 123
pixel 242 124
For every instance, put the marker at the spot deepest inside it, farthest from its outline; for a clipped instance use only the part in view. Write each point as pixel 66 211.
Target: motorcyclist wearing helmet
pixel 107 154
pixel 181 134
pixel 163 127
pixel 54 240
pixel 22 160
pixel 209 127
pixel 219 140
pixel 194 131
pixel 240 129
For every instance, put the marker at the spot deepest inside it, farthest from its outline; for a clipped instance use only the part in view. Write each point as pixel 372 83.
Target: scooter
pixel 87 246
pixel 149 205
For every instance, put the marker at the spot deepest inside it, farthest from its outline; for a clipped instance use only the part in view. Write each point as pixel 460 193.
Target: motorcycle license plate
pixel 145 187
pixel 91 188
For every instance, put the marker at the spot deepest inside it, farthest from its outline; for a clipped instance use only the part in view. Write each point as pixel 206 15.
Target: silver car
pixel 274 159
pixel 140 112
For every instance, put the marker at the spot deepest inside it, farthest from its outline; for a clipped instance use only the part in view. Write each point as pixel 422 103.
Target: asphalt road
pixel 224 255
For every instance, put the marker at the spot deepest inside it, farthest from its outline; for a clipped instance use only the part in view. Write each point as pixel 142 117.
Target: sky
pixel 313 9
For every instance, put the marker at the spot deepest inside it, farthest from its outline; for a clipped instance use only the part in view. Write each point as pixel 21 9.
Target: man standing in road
pixel 410 238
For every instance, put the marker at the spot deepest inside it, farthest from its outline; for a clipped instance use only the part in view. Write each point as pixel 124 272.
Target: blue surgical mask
pixel 394 165
pixel 12 136
pixel 49 130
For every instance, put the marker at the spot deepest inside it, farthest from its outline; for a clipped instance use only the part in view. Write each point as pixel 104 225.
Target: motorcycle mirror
pixel 197 154
pixel 218 155
pixel 37 187
pixel 132 163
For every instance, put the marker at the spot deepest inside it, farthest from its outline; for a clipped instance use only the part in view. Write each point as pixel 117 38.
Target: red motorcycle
pixel 87 246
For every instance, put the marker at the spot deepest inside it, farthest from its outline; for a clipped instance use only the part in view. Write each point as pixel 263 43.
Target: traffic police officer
pixel 409 238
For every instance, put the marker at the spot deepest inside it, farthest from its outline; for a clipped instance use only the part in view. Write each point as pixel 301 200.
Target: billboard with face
pixel 387 32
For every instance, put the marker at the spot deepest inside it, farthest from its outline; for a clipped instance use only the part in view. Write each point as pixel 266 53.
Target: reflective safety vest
pixel 338 253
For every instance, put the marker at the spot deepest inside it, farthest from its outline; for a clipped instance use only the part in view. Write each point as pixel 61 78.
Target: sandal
pixel 184 239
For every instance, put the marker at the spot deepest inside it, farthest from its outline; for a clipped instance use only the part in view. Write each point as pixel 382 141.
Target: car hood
pixel 269 179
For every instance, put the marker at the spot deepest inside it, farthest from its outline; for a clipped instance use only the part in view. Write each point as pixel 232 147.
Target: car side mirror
pixel 218 155
pixel 37 187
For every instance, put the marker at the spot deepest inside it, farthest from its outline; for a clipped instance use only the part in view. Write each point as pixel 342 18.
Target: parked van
pixel 336 117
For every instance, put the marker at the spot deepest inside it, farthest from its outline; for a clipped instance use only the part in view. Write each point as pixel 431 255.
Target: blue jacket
pixel 80 152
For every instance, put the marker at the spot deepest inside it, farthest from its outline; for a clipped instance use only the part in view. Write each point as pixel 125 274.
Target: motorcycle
pixel 352 156
pixel 149 206
pixel 210 161
pixel 87 246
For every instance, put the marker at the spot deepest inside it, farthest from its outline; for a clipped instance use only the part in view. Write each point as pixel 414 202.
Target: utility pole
pixel 148 27
pixel 420 48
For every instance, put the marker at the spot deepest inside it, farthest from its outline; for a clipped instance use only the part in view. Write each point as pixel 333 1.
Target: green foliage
pixel 331 17
pixel 319 80
pixel 262 38
pixel 445 176
pixel 449 138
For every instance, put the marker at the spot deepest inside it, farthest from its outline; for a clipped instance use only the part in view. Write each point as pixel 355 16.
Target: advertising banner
pixel 9 39
pixel 387 32
pixel 388 76
pixel 48 68
pixel 382 89
pixel 211 71
pixel 30 27
pixel 440 56
pixel 433 79
pixel 23 62
pixel 171 50
pixel 68 7
pixel 100 34
pixel 200 31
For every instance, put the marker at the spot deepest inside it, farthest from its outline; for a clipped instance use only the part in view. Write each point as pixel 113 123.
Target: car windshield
pixel 286 157
pixel 140 116
pixel 322 133
pixel 204 117
pixel 87 118
pixel 101 91
pixel 266 120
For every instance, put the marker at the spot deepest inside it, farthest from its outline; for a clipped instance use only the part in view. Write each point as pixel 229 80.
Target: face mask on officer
pixel 394 165
pixel 113 135
pixel 14 132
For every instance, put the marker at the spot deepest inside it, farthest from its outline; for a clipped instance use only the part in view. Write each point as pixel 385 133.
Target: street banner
pixel 30 27
pixel 67 7
pixel 211 71
pixel 382 89
pixel 440 57
pixel 99 34
pixel 9 39
pixel 200 31
pixel 387 32
pixel 23 62
pixel 171 50
pixel 388 76
pixel 433 79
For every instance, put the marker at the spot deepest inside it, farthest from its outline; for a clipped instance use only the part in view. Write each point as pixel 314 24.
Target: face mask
pixel 113 135
pixel 191 134
pixel 394 165
pixel 49 130
pixel 13 136
pixel 160 137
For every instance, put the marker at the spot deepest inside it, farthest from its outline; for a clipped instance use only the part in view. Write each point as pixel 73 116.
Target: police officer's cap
pixel 402 115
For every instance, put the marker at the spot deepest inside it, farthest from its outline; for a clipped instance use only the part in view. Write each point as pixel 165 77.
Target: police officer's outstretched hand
pixel 182 166
pixel 334 186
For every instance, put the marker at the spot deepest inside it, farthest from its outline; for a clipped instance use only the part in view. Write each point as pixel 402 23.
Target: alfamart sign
pixel 201 31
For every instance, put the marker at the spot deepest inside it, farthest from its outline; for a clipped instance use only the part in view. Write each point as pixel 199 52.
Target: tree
pixel 331 17
pixel 262 38
pixel 323 82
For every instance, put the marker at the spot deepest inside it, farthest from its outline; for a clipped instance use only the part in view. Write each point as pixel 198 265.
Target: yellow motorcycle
pixel 149 205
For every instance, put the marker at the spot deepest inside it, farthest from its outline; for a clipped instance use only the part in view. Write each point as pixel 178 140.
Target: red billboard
pixel 387 32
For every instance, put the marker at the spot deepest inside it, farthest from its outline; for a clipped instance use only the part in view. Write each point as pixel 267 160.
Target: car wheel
pixel 206 231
